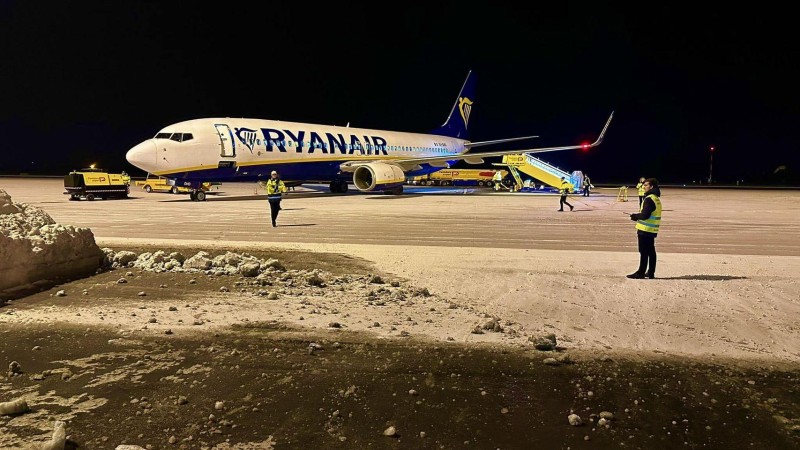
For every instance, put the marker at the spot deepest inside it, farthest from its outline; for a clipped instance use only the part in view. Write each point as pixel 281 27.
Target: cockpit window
pixel 177 137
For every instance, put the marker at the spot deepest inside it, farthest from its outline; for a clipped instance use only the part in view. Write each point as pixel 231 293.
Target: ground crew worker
pixel 648 222
pixel 564 191
pixel 498 180
pixel 640 190
pixel 587 183
pixel 275 190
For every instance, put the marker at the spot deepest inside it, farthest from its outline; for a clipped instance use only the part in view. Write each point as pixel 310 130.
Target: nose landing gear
pixel 197 196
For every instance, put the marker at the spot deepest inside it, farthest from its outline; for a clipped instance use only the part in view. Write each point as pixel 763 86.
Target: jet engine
pixel 378 177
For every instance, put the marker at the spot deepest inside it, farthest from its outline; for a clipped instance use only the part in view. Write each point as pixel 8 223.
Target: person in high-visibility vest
pixel 498 180
pixel 565 186
pixel 275 191
pixel 640 190
pixel 648 223
pixel 587 183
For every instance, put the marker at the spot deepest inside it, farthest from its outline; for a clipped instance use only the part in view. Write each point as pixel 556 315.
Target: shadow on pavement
pixel 704 277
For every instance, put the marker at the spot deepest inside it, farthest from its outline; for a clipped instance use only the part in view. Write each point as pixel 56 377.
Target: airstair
pixel 542 171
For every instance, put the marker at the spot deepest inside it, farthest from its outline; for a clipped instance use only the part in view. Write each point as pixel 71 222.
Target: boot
pixel 571 207
pixel 636 275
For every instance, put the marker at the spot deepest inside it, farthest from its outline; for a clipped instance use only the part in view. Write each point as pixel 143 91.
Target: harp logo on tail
pixel 464 107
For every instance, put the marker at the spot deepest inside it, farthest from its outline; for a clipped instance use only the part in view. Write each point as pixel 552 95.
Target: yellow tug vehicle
pixel 92 183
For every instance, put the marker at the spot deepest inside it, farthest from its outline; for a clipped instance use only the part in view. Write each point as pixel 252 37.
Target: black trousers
pixel 586 191
pixel 647 252
pixel 563 202
pixel 275 207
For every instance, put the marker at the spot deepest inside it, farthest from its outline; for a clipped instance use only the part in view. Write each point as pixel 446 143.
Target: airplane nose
pixel 143 156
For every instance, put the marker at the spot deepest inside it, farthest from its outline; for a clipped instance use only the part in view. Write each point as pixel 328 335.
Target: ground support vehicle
pixel 162 184
pixel 540 170
pixel 457 177
pixel 92 183
pixel 159 184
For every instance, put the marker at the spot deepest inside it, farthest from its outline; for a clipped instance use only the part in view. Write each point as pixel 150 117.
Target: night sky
pixel 84 81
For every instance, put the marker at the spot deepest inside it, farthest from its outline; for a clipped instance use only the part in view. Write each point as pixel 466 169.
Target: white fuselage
pixel 220 149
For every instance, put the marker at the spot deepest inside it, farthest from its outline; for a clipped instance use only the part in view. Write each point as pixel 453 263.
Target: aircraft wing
pixel 470 158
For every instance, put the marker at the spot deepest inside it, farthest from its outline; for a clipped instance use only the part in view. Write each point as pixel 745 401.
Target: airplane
pixel 229 149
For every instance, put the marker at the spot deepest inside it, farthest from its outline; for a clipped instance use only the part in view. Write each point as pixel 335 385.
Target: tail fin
pixel 456 125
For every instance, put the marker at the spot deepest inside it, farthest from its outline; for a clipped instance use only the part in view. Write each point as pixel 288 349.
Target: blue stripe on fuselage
pixel 309 172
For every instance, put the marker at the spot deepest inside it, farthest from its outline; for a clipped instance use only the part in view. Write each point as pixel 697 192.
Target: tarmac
pixel 709 221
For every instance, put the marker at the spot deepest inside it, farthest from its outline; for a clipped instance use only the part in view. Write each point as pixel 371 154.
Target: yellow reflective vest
pixel 275 188
pixel 565 185
pixel 640 189
pixel 652 223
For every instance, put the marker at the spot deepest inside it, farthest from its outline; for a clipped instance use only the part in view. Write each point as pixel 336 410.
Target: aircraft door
pixel 227 147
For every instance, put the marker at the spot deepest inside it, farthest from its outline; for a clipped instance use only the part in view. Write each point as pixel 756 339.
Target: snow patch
pixel 37 252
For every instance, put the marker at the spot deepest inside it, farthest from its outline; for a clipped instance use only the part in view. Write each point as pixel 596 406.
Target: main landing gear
pixel 395 191
pixel 339 186
pixel 197 196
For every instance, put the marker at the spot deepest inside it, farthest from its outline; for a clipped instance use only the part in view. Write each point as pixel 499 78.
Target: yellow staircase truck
pixel 542 171
pixel 92 183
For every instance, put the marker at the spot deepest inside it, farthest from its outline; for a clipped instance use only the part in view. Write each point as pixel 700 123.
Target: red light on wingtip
pixel 585 147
